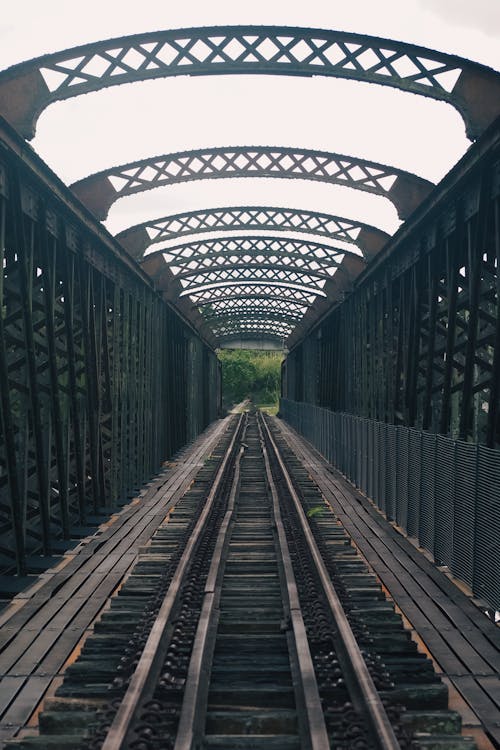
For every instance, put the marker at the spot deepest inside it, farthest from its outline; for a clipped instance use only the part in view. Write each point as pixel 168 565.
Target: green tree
pixel 250 374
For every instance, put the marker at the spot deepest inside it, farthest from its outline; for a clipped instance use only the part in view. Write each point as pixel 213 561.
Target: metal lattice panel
pixel 275 328
pixel 250 312
pixel 253 291
pixel 236 218
pixel 99 191
pixel 266 276
pixel 95 385
pixel 194 255
pixel 257 271
pixel 247 264
pixel 248 49
pixel 277 307
pixel 187 269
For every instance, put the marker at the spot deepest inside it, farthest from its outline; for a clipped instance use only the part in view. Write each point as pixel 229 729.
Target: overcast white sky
pixel 89 133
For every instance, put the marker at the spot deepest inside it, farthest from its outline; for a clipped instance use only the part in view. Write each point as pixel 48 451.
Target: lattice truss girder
pixel 242 273
pixel 283 305
pixel 459 306
pixel 253 291
pixel 139 238
pixel 250 49
pixel 102 189
pixel 422 348
pixel 210 263
pixel 260 327
pixel 243 305
pixel 305 255
pixel 252 313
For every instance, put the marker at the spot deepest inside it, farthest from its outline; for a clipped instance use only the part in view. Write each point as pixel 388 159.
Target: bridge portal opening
pixel 251 374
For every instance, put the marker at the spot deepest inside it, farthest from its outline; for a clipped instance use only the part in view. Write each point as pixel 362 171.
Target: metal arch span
pixel 138 238
pixel 213 256
pixel 254 266
pixel 26 89
pixel 99 191
pixel 291 280
pixel 183 256
pixel 245 306
pixel 273 328
pixel 251 315
pixel 208 298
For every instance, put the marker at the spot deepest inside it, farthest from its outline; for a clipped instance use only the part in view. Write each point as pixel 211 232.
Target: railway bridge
pixel 174 577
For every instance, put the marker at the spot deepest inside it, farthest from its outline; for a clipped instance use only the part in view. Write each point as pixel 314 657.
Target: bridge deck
pixel 42 629
pixel 463 643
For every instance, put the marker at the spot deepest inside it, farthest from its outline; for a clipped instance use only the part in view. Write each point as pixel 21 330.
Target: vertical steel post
pixel 26 274
pixel 453 254
pixel 6 422
pixel 476 246
pixel 49 275
pixel 492 432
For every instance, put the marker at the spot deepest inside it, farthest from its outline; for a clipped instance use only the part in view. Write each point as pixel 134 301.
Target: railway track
pixel 250 621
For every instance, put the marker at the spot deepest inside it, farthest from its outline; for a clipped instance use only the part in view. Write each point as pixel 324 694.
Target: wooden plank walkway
pixel 463 642
pixel 44 624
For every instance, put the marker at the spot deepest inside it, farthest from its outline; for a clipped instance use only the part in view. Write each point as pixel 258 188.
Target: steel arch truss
pixel 261 291
pixel 217 273
pixel 250 253
pixel 207 251
pixel 261 321
pixel 259 326
pixel 291 311
pixel 271 298
pixel 26 89
pixel 139 238
pixel 236 262
pixel 99 191
pixel 256 273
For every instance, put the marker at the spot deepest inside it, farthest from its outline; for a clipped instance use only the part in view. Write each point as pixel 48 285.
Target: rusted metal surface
pixel 99 191
pixel 26 89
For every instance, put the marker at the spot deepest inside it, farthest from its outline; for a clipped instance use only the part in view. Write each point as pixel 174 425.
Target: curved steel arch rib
pixel 138 238
pixel 246 309
pixel 99 191
pixel 272 327
pixel 263 342
pixel 244 253
pixel 183 256
pixel 26 89
pixel 208 298
pixel 291 280
pixel 242 270
pixel 251 316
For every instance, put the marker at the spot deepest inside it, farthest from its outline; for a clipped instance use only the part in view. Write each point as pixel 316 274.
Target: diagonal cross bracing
pixel 139 238
pixel 26 89
pixel 99 191
pixel 193 255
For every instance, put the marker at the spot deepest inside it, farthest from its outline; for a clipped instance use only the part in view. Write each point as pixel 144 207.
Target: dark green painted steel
pixel 100 379
pixel 416 342
pixel 407 371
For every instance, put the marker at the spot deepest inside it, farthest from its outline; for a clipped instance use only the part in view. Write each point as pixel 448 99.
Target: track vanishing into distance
pixel 250 621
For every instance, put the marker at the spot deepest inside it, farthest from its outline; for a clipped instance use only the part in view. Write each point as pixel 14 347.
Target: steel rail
pixel 358 678
pixel 314 713
pixel 188 732
pixel 195 688
pixel 152 653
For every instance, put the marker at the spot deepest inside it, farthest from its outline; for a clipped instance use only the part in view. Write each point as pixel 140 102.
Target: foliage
pixel 250 374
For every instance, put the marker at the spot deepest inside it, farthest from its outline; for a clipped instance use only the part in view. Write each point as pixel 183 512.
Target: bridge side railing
pixel 100 379
pixel 444 493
